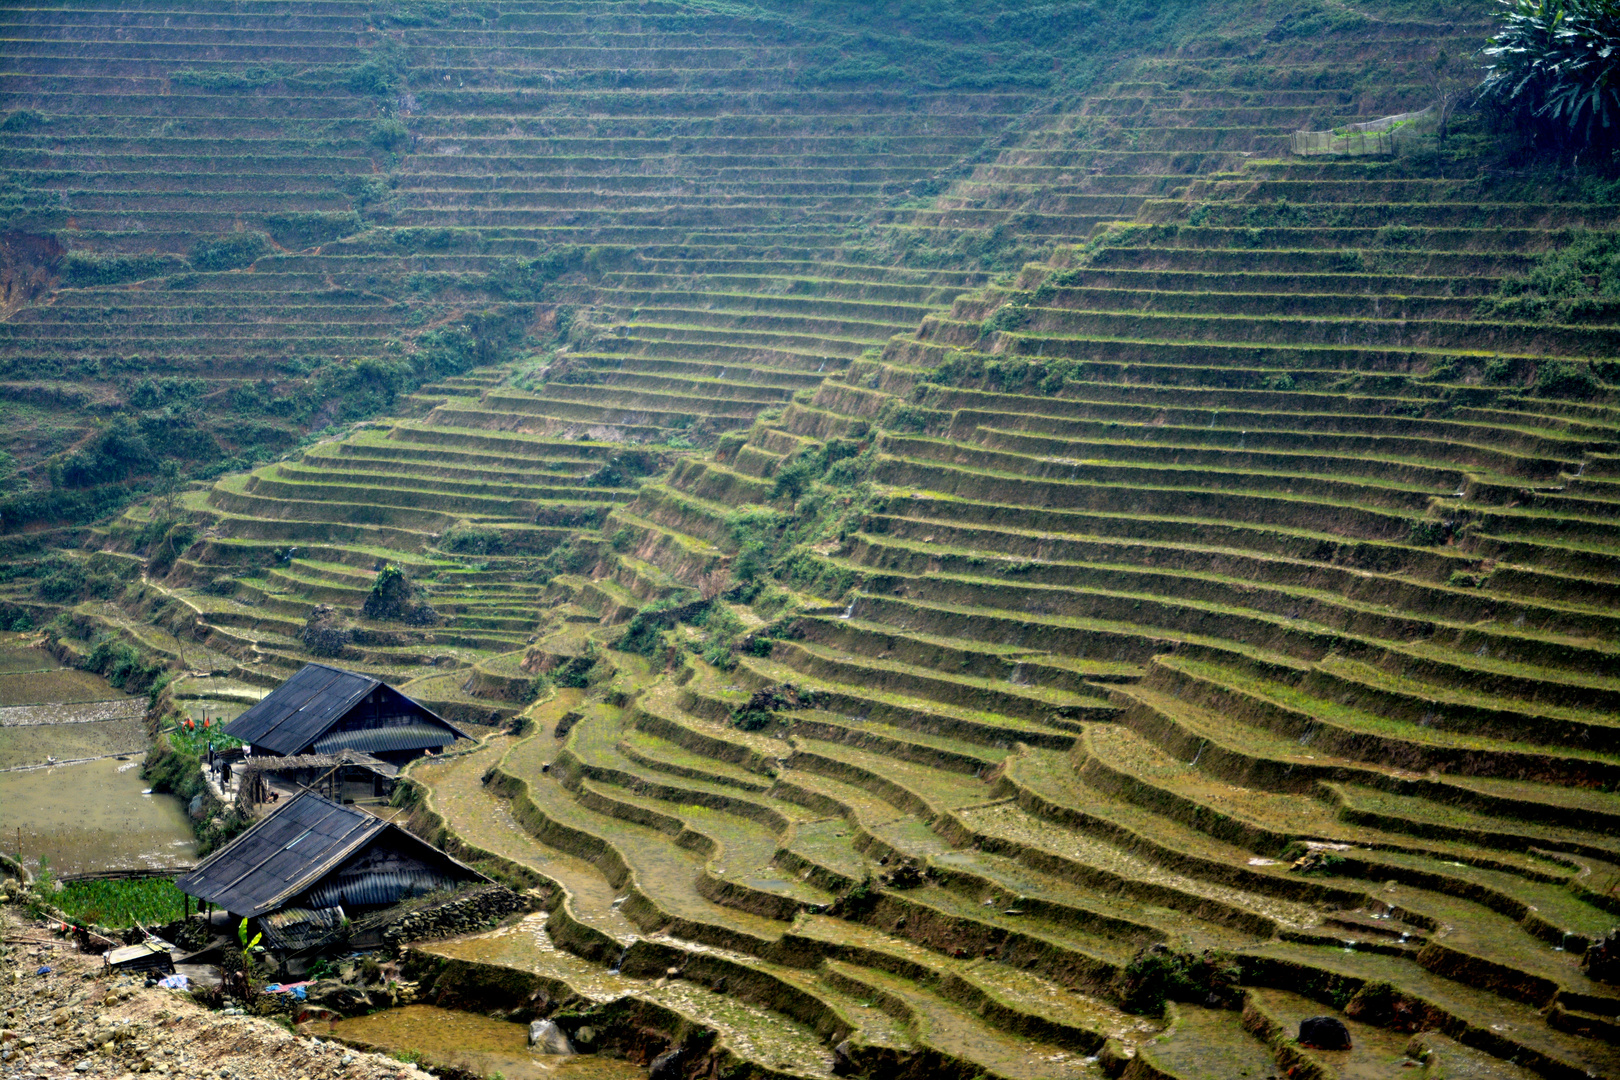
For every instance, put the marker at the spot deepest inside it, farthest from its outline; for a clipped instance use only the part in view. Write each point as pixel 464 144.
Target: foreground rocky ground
pixel 79 1020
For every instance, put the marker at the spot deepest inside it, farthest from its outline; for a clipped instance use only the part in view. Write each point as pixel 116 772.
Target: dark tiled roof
pixel 305 707
pixel 294 846
pixel 307 839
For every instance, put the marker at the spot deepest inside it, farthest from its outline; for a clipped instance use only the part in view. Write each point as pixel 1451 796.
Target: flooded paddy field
pixel 71 747
pixel 478 1044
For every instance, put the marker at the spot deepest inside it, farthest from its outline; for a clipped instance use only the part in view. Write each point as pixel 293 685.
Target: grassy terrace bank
pixel 978 569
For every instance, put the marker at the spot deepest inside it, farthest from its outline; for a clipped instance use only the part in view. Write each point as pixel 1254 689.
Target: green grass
pixel 123 902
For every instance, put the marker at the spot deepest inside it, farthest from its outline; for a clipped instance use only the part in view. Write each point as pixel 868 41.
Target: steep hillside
pixel 232 226
pixel 1108 594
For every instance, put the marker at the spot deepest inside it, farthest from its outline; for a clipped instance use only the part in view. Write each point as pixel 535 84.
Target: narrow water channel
pixel 87 812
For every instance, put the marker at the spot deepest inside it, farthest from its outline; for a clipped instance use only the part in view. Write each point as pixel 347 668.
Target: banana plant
pixel 1556 64
pixel 241 982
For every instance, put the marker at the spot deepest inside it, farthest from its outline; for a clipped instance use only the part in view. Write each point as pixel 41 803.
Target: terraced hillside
pixel 1237 584
pixel 231 226
pixel 1218 610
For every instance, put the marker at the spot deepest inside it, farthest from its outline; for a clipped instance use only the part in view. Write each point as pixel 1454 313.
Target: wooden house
pixel 312 864
pixel 323 710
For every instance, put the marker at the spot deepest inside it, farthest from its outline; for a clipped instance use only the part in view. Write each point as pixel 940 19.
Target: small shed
pixel 318 862
pixel 153 954
pixel 323 710
pixel 346 775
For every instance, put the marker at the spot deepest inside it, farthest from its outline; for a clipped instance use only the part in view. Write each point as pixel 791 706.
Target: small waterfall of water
pixel 619 963
pixel 849 612
pixel 546 1037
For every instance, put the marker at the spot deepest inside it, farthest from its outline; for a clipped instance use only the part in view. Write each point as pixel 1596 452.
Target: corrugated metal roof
pixel 294 847
pixel 134 953
pixel 299 711
pixel 378 887
pixel 380 740
pixel 301 928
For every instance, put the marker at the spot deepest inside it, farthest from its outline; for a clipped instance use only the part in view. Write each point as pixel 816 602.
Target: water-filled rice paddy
pixel 475 1043
pixel 78 815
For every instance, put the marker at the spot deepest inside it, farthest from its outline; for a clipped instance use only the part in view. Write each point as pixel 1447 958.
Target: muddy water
pixel 86 816
pixel 93 817
pixel 476 1043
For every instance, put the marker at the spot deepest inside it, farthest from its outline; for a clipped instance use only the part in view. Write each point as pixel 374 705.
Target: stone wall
pixel 462 914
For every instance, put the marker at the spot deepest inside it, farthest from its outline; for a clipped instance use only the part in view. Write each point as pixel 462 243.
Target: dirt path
pixel 77 1020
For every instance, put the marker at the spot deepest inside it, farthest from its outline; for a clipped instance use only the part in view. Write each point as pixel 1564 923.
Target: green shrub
pixel 763 705
pixel 1580 278
pixel 65 580
pixel 1425 533
pixel 156 393
pixel 389 134
pixel 1158 974
pixel 23 120
pixel 464 538
pixel 394 596
pixel 85 268
pixel 1499 370
pixel 234 79
pixel 123 666
pixel 176 539
pixel 231 251
pixel 376 76
pixel 307 228
pixel 1005 318
pixel 1565 379
pixel 644 634
pixel 576 673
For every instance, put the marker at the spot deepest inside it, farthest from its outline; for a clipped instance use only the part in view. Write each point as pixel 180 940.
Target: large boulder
pixel 667 1066
pixel 1602 959
pixel 1324 1033
pixel 546 1037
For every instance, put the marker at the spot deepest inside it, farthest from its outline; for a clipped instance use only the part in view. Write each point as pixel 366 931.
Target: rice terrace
pixel 935 539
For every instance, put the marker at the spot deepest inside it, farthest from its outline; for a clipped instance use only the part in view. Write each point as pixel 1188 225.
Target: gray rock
pixel 667 1066
pixel 546 1037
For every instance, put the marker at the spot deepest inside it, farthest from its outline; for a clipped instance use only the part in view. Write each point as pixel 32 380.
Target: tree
pixel 1555 65
pixel 168 483
pixel 1448 77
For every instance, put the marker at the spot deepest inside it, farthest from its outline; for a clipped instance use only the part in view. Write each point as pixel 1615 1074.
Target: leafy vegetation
pixel 306 228
pixel 1577 279
pixel 1555 67
pixel 87 268
pixel 123 665
pixel 1158 974
pixel 122 902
